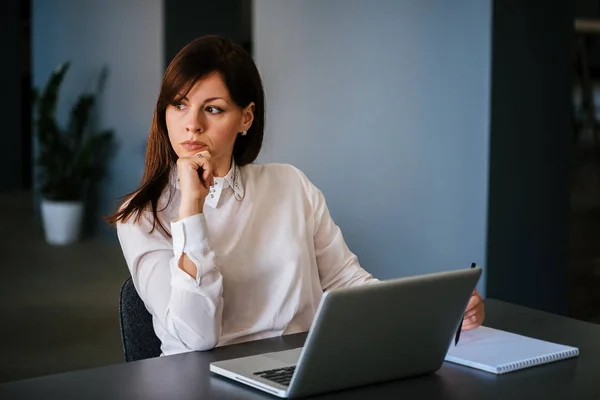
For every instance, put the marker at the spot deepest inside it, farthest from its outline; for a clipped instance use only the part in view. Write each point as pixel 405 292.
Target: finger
pixel 203 157
pixel 476 319
pixel 473 302
pixel 208 167
pixel 474 308
pixel 473 324
pixel 197 165
pixel 204 160
pixel 478 311
pixel 470 313
pixel 470 320
pixel 184 163
pixel 470 326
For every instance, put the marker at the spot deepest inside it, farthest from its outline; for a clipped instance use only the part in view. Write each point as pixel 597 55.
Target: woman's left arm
pixel 338 266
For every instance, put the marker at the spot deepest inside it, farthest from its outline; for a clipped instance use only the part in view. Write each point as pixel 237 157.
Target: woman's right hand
pixel 193 189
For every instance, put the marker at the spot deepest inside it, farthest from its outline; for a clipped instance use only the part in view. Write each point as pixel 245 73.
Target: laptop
pixel 366 334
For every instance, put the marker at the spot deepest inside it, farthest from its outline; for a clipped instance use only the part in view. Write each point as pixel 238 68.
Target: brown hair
pixel 199 58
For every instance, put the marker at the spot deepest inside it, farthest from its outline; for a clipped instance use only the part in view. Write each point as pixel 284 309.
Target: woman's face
pixel 207 119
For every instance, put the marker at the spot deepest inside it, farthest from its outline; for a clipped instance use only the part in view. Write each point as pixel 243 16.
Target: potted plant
pixel 69 159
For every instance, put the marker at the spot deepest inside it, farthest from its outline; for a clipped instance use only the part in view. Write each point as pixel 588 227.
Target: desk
pixel 187 376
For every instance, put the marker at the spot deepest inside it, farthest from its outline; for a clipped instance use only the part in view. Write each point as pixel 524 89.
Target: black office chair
pixel 137 333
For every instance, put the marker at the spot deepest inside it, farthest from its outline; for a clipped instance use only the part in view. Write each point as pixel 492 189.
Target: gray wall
pixel 125 36
pixel 385 106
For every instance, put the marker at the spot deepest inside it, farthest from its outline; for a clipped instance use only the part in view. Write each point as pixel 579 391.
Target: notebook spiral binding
pixel 537 361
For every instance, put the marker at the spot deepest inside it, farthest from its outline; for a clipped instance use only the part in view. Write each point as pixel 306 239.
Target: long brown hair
pixel 199 58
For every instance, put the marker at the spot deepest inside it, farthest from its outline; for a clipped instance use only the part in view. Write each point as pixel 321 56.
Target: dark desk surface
pixel 187 376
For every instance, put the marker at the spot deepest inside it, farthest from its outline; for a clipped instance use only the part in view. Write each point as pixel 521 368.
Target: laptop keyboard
pixel 283 376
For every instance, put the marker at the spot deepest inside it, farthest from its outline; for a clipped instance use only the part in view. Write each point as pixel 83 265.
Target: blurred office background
pixel 474 122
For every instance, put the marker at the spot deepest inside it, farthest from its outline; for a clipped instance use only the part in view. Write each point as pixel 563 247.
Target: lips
pixel 193 145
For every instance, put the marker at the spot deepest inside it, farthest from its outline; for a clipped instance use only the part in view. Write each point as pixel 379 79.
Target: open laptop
pixel 366 334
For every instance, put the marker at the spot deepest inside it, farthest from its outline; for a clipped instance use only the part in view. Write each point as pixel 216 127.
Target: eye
pixel 214 110
pixel 179 106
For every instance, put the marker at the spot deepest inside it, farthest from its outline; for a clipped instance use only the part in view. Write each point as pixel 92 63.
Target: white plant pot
pixel 62 221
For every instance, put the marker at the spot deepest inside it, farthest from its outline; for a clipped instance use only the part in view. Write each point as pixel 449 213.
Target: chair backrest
pixel 137 332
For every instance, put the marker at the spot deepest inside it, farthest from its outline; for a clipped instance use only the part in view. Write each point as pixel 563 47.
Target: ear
pixel 247 116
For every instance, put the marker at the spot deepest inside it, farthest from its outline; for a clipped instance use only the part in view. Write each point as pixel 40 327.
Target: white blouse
pixel 265 248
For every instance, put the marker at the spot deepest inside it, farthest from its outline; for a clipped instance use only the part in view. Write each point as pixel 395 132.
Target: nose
pixel 194 124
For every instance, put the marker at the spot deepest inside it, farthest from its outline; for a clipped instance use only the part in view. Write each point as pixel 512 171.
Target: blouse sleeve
pixel 338 266
pixel 189 309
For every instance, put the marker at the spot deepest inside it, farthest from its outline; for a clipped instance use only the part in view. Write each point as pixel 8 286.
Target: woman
pixel 222 250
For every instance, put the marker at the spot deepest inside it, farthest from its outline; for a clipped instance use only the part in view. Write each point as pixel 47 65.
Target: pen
pixel 473 265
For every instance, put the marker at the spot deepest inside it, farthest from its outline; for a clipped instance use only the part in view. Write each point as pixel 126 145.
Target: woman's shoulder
pixel 280 173
pixel 143 217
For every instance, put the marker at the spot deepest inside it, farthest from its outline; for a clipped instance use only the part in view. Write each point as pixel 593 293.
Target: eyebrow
pixel 206 100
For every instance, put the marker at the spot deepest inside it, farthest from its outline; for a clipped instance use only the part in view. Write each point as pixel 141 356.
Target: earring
pixel 244 133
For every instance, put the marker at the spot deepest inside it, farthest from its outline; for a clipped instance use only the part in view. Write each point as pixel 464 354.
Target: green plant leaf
pixel 68 160
pixel 49 96
pixel 79 117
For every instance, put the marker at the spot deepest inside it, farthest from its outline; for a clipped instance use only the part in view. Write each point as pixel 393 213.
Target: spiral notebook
pixel 499 352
